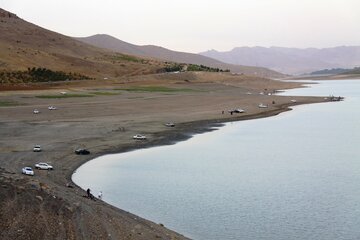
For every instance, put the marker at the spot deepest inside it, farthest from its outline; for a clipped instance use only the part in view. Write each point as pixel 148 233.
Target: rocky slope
pixel 24 45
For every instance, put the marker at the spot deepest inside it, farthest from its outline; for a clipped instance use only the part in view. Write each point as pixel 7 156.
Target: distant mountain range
pixel 337 71
pixel 333 71
pixel 291 60
pixel 24 46
pixel 114 44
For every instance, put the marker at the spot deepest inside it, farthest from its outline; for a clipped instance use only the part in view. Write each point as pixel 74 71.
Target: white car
pixel 52 108
pixel 262 105
pixel 170 124
pixel 37 148
pixel 239 110
pixel 27 171
pixel 43 166
pixel 36 111
pixel 139 137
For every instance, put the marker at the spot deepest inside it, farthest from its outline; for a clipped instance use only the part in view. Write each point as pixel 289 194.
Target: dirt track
pixel 44 207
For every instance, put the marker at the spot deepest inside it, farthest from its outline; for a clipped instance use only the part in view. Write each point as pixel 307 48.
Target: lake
pixel 291 176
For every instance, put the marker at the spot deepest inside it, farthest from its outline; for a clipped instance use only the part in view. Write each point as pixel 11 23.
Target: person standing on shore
pixel 88 192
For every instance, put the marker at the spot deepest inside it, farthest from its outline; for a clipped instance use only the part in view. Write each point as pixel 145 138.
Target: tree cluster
pixel 175 67
pixel 38 75
pixel 195 67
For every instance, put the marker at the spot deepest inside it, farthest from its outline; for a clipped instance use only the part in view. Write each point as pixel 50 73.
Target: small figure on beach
pixel 89 194
pixel 100 195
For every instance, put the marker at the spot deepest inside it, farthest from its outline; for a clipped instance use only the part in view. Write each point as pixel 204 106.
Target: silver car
pixel 43 166
pixel 37 148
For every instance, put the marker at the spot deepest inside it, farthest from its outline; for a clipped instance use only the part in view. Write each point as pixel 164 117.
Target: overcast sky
pixel 200 25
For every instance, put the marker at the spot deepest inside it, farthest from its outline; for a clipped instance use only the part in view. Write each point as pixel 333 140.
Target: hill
pixel 353 71
pixel 24 45
pixel 337 73
pixel 291 60
pixel 114 44
pixel 330 71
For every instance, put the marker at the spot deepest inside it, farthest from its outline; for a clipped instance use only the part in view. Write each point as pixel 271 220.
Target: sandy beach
pixel 103 116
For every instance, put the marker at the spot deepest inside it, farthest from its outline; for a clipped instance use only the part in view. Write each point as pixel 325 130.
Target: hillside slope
pixel 291 60
pixel 111 43
pixel 24 45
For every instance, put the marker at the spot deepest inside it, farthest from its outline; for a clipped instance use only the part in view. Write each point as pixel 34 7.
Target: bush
pixel 38 75
pixel 175 67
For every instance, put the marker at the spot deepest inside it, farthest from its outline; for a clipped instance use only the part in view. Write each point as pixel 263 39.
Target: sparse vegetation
pixel 105 93
pixel 123 57
pixel 33 75
pixel 155 89
pixel 8 103
pixel 176 67
pixel 194 67
pixel 65 96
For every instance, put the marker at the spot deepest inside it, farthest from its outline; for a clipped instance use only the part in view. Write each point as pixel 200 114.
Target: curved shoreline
pixel 182 132
pixel 78 123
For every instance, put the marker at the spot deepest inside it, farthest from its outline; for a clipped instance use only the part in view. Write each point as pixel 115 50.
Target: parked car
pixel 27 171
pixel 82 151
pixel 239 110
pixel 262 105
pixel 236 110
pixel 36 111
pixel 37 148
pixel 139 137
pixel 170 124
pixel 43 166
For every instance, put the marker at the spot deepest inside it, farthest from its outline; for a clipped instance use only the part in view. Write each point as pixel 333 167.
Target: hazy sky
pixel 199 25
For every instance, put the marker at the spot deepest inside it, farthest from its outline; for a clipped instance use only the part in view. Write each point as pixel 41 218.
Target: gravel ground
pixel 48 205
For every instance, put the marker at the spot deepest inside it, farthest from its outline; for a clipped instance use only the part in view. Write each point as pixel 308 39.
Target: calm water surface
pixel 293 176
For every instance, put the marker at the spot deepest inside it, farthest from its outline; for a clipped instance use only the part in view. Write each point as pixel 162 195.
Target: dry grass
pixel 24 45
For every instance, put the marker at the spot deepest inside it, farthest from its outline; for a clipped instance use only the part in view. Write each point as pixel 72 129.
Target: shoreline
pixel 78 123
pixel 183 132
pixel 325 77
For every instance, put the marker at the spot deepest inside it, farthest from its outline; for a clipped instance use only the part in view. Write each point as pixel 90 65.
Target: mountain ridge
pixel 111 43
pixel 24 45
pixel 290 60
